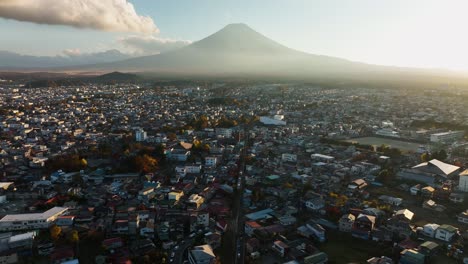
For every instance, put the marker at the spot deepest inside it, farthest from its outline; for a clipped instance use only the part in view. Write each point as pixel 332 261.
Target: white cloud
pixel 106 15
pixel 151 44
pixel 72 52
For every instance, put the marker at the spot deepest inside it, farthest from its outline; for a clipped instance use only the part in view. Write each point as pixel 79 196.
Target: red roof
pixel 112 241
pixel 253 224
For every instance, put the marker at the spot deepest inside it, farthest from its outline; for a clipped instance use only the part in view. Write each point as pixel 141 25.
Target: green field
pixel 375 141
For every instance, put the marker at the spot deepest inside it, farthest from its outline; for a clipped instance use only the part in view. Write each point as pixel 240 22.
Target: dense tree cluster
pixel 70 162
pixel 439 155
pixel 224 101
pixel 388 151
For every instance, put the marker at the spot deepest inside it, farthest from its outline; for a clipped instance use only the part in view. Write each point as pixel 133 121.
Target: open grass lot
pixel 343 248
pixel 376 141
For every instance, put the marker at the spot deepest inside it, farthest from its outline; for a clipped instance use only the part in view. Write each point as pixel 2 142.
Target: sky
pixel 416 33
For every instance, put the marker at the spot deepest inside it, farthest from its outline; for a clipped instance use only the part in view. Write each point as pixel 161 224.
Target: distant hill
pixel 117 77
pixel 109 78
pixel 11 60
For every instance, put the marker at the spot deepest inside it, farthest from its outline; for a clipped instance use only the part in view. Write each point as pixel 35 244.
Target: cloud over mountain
pixel 151 44
pixel 106 15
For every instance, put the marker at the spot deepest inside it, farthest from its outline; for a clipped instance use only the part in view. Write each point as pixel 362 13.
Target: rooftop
pixel 437 166
pixel 36 216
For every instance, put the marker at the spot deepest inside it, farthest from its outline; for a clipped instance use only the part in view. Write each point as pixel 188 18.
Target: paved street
pixel 180 252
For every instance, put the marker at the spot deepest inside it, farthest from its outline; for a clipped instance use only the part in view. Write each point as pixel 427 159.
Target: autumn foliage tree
pixel 146 163
pixel 55 232
pixel 74 237
pixel 67 163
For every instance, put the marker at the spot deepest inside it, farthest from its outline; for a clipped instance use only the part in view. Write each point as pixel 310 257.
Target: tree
pixel 145 163
pixel 55 232
pixel 77 179
pixel 425 157
pixel 307 187
pixel 74 237
pixel 385 176
pixel 440 155
pixel 171 136
pixel 83 163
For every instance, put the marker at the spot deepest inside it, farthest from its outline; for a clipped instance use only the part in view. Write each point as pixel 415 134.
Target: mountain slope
pixel 234 50
pixel 237 51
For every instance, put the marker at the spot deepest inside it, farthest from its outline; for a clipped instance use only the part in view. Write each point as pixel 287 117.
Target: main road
pixel 239 250
pixel 180 252
pixel 233 247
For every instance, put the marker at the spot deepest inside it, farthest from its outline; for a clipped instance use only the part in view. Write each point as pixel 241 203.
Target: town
pixel 232 172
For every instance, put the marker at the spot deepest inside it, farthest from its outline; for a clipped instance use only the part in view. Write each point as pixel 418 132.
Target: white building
pixel 463 181
pixel 446 232
pixel 287 157
pixel 430 229
pixel 211 161
pixel 203 218
pixel 31 221
pixel 280 247
pixel 387 124
pixel 224 132
pixel 193 168
pixel 447 136
pixel 272 121
pixel 322 157
pixel 180 171
pixel 178 154
pixel 140 135
pixel 386 132
pixel 463 217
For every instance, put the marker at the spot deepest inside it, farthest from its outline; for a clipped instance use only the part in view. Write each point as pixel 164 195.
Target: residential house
pixel 363 226
pixel 463 217
pixel 446 232
pixel 318 232
pixel 280 247
pixel 346 222
pixel 410 256
pixel 430 230
pixel 399 223
pixel 428 248
pixel 211 161
pixel 175 195
pixel 415 189
pixel 358 184
pixel 315 204
pixel 195 201
pixel 250 227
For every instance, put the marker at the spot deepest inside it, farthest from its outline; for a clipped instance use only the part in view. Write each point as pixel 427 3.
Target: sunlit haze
pixel 420 33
